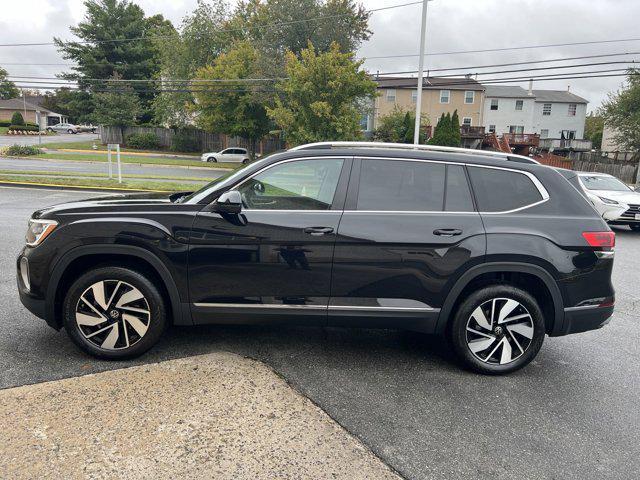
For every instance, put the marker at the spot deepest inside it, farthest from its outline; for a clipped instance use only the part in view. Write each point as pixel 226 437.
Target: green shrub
pixel 21 150
pixel 143 141
pixel 17 119
pixel 184 141
pixel 24 128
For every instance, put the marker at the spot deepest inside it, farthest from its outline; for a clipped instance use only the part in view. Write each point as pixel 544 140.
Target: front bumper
pixel 627 216
pixel 583 319
pixel 33 303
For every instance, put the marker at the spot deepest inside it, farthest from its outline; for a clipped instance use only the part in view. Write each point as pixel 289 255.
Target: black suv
pixel 492 250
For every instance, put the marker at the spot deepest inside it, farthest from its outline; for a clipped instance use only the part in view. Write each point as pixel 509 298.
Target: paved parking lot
pixel 573 413
pixel 6 140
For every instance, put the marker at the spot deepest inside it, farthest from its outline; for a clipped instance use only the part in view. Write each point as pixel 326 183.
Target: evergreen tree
pixel 456 139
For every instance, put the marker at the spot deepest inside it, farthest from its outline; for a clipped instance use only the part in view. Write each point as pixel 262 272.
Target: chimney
pixel 530 92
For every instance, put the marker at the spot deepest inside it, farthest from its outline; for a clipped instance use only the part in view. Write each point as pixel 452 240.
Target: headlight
pixel 608 201
pixel 38 230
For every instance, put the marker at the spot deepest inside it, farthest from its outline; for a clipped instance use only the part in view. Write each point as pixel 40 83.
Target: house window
pixel 466 121
pixel 519 104
pixel 572 109
pixel 544 133
pixel 546 109
pixel 469 96
pixel 445 96
pixel 568 134
pixel 494 104
pixel 414 96
pixel 391 95
pixel 492 129
pixel 517 129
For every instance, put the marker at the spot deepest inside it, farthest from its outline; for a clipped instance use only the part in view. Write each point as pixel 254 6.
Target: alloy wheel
pixel 499 331
pixel 113 314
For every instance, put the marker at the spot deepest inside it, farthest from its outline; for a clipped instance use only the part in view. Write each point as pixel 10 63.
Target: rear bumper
pixel 583 319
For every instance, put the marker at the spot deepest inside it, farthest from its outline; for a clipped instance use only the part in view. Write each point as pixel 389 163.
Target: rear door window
pixel 401 185
pixel 498 190
pixel 458 194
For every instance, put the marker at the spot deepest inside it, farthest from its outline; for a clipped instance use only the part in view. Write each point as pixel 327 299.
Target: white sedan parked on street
pixel 616 202
pixel 228 155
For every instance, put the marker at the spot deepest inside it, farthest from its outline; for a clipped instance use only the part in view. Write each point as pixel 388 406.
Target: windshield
pixel 221 182
pixel 597 182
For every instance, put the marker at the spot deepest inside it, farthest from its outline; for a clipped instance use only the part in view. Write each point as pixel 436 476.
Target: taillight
pixel 603 240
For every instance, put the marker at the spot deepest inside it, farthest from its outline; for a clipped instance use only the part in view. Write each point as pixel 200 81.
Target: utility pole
pixel 423 28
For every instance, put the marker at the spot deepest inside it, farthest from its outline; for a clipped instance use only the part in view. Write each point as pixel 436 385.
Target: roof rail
pixel 409 146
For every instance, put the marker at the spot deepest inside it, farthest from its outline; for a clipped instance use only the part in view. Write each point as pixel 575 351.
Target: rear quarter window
pixel 498 190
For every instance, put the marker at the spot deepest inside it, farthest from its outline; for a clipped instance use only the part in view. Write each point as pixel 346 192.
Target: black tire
pixel 459 336
pixel 212 160
pixel 69 131
pixel 50 130
pixel 245 161
pixel 157 318
pixel 635 227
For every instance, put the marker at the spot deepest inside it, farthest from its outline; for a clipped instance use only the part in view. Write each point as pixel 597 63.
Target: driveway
pixel 6 140
pixel 571 414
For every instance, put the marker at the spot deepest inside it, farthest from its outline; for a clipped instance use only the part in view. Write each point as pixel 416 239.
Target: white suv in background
pixel 616 202
pixel 228 155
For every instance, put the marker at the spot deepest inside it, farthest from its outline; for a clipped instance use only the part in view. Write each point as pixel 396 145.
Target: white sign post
pixel 110 147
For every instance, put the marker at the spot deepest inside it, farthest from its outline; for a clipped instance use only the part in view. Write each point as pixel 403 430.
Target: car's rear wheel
pixel 114 313
pixel 497 330
pixel 245 161
pixel 50 130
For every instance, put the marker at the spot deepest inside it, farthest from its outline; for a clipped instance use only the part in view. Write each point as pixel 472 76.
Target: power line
pixel 158 37
pixel 504 49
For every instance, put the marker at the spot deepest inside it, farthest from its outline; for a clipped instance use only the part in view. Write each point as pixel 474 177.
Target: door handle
pixel 317 231
pixel 447 232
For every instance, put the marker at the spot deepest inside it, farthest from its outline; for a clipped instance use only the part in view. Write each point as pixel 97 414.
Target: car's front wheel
pixel 635 227
pixel 212 160
pixel 497 330
pixel 114 313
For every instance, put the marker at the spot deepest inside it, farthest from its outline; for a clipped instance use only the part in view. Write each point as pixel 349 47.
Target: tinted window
pixel 501 190
pixel 457 193
pixel 401 185
pixel 300 185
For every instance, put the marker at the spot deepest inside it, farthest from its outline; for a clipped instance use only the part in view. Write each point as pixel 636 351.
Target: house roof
pixel 435 83
pixel 557 96
pixel 506 91
pixel 18 104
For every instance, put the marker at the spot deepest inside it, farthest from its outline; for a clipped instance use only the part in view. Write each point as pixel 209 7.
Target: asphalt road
pixel 6 140
pixel 572 414
pixel 76 167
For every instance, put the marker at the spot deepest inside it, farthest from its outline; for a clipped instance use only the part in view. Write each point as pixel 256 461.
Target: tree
pixel 107 47
pixel 456 139
pixel 593 128
pixel 17 119
pixel 397 127
pixel 319 98
pixel 7 87
pixel 235 108
pixel 278 26
pixel 621 112
pixel 78 105
pixel 118 106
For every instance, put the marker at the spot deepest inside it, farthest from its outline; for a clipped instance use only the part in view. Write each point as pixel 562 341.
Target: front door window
pixel 298 185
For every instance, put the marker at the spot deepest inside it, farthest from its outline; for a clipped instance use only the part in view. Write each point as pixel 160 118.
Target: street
pixel 6 140
pixel 571 414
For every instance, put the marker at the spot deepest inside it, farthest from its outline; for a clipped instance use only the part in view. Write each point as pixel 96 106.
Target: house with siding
pixel 31 111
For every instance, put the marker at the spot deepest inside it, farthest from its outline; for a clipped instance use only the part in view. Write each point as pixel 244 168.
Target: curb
pixel 54 186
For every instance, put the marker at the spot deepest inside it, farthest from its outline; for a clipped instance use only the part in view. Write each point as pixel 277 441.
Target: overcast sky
pixel 453 25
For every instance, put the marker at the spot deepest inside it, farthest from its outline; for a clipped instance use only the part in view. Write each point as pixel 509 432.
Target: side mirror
pixel 229 202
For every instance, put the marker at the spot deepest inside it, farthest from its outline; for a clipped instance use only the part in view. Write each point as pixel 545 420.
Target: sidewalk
pixel 216 416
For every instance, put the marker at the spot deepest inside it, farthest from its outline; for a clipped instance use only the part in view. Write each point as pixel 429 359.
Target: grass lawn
pixel 100 175
pixel 90 182
pixel 89 157
pixel 4 130
pixel 88 145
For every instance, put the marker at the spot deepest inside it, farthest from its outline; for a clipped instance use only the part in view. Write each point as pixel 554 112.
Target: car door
pixel 408 231
pixel 271 262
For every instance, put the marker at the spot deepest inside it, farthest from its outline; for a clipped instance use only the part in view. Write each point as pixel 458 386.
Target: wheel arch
pixel 83 258
pixel 497 270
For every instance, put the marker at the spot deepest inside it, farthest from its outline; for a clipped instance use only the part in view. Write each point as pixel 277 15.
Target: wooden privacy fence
pixel 202 141
pixel 625 170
